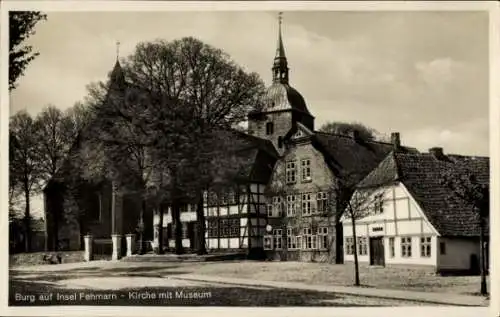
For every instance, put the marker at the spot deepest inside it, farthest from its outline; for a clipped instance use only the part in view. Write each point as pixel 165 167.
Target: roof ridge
pixel 350 137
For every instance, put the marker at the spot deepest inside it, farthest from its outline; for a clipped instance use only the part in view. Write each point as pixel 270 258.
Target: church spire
pixel 117 76
pixel 280 66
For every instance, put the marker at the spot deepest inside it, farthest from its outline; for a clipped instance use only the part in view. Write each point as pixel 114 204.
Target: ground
pixel 331 274
pixel 160 283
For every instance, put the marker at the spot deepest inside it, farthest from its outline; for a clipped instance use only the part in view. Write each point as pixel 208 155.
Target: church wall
pixel 101 228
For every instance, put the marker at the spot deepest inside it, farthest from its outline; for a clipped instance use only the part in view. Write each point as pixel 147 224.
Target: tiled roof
pixel 422 176
pixel 353 158
pixel 259 155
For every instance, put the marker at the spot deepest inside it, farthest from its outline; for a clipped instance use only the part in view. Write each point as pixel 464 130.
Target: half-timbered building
pixel 408 216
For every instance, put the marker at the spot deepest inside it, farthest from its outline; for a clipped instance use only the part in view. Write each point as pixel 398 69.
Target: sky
pixel 423 74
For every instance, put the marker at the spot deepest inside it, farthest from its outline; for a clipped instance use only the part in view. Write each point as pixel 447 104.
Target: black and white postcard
pixel 205 157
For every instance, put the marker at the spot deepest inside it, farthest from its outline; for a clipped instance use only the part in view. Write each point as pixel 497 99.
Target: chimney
pixel 437 152
pixel 395 140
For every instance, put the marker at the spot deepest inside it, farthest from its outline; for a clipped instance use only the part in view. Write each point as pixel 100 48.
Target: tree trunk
pixel 285 235
pixel 355 249
pixel 339 237
pixel 482 256
pixel 200 218
pixel 161 212
pixel 177 227
pixel 27 220
pixel 141 227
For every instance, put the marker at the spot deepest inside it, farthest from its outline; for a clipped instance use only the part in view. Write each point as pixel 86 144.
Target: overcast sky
pixel 423 74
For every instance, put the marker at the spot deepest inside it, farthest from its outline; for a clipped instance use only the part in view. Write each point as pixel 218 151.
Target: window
pixel 306 170
pixel 212 199
pixel 234 227
pixel 321 199
pixel 291 172
pixel 280 142
pixel 270 210
pixel 378 205
pixel 406 247
pixel 306 204
pixel 223 198
pixel 425 247
pixel 94 207
pixel 269 128
pixel 290 205
pixel 323 238
pixel 268 242
pixel 299 242
pixel 306 238
pixel 231 197
pixel 362 246
pixel 392 250
pixel 278 239
pixel 442 248
pixel 185 230
pixel 213 228
pixel 309 241
pixel 277 207
pixel 291 239
pixel 349 246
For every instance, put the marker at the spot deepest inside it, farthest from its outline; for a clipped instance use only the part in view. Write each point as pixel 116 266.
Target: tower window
pixel 269 128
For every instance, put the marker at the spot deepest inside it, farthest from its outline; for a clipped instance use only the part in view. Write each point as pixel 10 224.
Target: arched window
pixel 269 128
pixel 94 206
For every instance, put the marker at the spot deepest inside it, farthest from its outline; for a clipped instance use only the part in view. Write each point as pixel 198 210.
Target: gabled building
pixel 412 218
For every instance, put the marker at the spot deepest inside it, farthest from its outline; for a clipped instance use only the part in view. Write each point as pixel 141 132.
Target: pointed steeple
pixel 280 65
pixel 117 76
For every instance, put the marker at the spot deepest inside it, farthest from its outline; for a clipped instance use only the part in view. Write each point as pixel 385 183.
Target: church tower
pixel 283 105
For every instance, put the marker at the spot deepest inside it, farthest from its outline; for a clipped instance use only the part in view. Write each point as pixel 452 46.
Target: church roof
pixel 281 96
pixel 421 173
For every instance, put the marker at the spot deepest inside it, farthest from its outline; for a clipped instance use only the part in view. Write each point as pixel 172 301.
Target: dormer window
pixel 269 128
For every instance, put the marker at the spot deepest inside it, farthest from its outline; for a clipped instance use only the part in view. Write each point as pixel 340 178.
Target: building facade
pixel 407 216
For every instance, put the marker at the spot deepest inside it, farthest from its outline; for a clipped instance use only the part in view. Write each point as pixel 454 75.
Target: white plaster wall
pixel 401 217
pixel 458 252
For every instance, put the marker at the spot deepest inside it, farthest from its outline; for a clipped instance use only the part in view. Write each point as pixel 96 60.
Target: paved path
pixel 428 297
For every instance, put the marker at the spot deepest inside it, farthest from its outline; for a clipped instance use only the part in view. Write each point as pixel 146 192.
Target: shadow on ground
pixel 140 271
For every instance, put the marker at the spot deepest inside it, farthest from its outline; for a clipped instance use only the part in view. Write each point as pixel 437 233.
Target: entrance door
pixel 377 251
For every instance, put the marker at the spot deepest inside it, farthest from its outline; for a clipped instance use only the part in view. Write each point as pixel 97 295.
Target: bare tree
pixel 24 164
pixel 358 207
pixel 218 93
pixel 55 135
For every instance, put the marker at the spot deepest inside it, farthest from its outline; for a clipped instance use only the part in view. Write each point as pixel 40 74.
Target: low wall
pixel 37 258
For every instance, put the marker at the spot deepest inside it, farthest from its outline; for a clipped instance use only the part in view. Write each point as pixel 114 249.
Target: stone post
pixel 87 241
pixel 156 239
pixel 116 238
pixel 130 244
